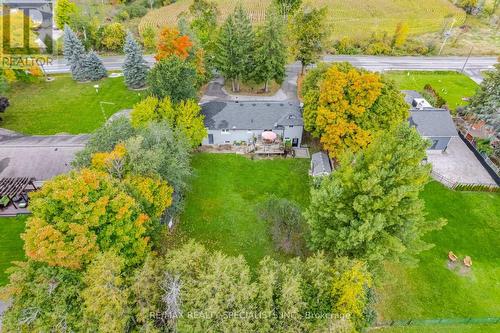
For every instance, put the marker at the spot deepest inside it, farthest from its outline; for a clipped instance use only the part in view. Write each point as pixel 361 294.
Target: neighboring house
pixel 432 123
pixel 237 122
pixel 320 165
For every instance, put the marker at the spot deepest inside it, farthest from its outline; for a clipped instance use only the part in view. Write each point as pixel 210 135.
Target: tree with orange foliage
pixel 171 42
pixel 345 106
pixel 77 215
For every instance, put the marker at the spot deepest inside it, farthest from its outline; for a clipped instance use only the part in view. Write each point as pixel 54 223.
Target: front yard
pixel 221 206
pixel 452 86
pixel 65 106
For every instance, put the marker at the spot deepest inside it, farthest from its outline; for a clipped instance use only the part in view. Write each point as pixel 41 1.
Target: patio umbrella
pixel 269 136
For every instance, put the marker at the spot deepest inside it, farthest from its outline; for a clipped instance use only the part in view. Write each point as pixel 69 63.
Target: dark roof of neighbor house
pixel 410 95
pixel 251 115
pixel 431 122
pixel 320 164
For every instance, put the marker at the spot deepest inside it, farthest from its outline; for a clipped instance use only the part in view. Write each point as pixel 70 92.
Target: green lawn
pixel 482 328
pixel 11 245
pixel 221 207
pixel 452 86
pixel 65 106
pixel 431 290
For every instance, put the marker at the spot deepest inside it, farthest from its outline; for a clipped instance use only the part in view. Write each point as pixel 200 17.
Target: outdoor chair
pixel 4 201
pixel 452 256
pixel 468 261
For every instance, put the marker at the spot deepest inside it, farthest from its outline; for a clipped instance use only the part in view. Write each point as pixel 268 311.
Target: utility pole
pixel 447 35
pixel 467 60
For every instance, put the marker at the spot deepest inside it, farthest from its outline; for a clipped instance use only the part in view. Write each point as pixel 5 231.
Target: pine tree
pixel 370 207
pixel 234 48
pixel 93 67
pixel 270 54
pixel 74 53
pixel 135 69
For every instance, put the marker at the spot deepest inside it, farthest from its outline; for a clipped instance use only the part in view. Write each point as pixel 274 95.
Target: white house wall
pixel 232 136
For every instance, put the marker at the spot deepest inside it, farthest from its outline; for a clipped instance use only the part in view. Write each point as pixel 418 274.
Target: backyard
pixel 11 245
pixel 452 86
pixel 432 290
pixel 65 106
pixel 221 207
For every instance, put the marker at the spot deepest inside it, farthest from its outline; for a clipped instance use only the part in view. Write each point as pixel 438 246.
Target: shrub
pixel 484 146
pixel 440 101
pixel 286 222
pixel 113 36
pixel 136 10
pixel 4 104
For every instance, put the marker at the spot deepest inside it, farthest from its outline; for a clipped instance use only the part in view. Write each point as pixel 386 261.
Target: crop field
pixel 353 18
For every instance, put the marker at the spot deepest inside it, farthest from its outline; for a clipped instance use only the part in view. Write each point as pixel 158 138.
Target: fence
pixel 483 187
pixel 439 321
pixel 490 167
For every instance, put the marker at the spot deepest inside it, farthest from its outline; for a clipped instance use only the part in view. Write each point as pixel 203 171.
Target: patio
pixel 14 195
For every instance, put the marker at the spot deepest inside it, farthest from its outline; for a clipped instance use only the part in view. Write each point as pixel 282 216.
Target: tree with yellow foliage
pixel 345 107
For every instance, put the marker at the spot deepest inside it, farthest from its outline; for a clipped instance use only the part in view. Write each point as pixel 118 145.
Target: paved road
pixel 473 67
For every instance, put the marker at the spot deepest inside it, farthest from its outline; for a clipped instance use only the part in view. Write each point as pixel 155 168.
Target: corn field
pixel 353 18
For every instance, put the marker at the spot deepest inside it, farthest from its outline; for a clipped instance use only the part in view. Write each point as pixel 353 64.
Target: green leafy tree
pixel 64 10
pixel 93 67
pixel 204 22
pixel 346 107
pixel 233 57
pixel 113 36
pixel 74 53
pixel 287 7
pixel 270 52
pixel 185 116
pixel 44 299
pixel 401 34
pixel 135 69
pixel 308 34
pixel 370 207
pixel 105 296
pixel 79 214
pixel 174 78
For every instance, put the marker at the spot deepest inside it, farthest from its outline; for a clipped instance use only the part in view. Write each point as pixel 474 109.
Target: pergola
pixel 13 188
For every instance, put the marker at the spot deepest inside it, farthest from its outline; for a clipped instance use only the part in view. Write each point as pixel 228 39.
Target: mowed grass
pixel 225 191
pixel 353 18
pixel 463 328
pixel 65 106
pixel 11 244
pixel 452 86
pixel 432 290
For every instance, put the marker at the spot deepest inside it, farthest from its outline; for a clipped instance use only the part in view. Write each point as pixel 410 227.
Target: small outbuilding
pixel 320 165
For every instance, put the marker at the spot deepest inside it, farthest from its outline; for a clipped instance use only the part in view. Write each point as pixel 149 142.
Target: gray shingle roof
pixel 433 122
pixel 410 95
pixel 251 115
pixel 320 164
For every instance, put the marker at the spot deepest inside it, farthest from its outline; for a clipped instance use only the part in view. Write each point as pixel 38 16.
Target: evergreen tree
pixel 93 67
pixel 370 207
pixel 74 53
pixel 135 69
pixel 270 53
pixel 173 77
pixel 234 48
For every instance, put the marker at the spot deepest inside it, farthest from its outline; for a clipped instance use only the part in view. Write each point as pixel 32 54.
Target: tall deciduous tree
pixel 105 296
pixel 345 106
pixel 185 116
pixel 79 214
pixel 370 207
pixel 64 10
pixel 287 7
pixel 174 78
pixel 233 56
pixel 270 52
pixel 308 34
pixel 135 69
pixel 171 42
pixel 204 22
pixel 401 34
